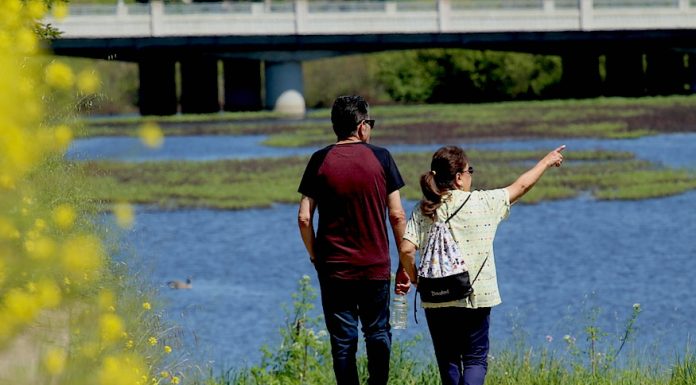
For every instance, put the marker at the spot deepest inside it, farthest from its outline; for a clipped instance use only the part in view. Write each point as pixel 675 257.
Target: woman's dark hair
pixel 346 114
pixel 446 163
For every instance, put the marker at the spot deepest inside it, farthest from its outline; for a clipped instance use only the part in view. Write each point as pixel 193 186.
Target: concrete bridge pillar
pixel 665 73
pixel 692 73
pixel 242 84
pixel 284 87
pixel 157 92
pixel 581 77
pixel 199 86
pixel 624 74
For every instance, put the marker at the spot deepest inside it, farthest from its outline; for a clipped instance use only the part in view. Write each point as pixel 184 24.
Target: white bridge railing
pixel 303 17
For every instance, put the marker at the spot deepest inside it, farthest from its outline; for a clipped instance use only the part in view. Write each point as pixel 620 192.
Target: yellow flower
pixel 63 136
pixel 164 374
pixel 110 327
pixel 167 349
pixel 82 255
pixel 88 82
pixel 54 361
pixel 48 293
pixel 40 248
pixel 20 306
pixel 147 306
pixel 59 75
pixel 152 341
pixel 124 215
pixel 64 216
pixel 130 344
pixel 121 369
pixel 36 9
pixel 175 380
pixel 151 135
pixel 27 41
pixel 60 10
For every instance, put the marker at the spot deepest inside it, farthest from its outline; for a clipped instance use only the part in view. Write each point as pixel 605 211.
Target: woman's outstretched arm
pixel 527 180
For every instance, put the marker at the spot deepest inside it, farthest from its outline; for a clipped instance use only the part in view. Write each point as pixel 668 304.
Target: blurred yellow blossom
pixel 105 299
pixel 124 214
pixel 110 327
pixel 27 41
pixel 120 370
pixel 36 9
pixel 88 82
pixel 64 216
pixel 40 248
pixel 63 136
pixel 175 380
pixel 151 135
pixel 60 10
pixel 130 344
pixel 20 306
pixel 82 256
pixel 48 293
pixel 167 349
pixel 147 306
pixel 152 341
pixel 59 75
pixel 54 361
pixel 164 374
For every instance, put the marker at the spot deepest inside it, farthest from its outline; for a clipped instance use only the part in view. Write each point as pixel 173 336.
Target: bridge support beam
pixel 199 86
pixel 624 74
pixel 242 85
pixel 157 92
pixel 284 87
pixel 581 77
pixel 665 73
pixel 692 73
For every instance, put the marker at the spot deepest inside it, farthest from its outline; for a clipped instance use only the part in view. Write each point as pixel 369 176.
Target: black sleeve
pixel 308 184
pixel 394 180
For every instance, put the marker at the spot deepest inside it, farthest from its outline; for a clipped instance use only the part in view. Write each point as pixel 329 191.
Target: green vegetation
pixel 238 184
pixel 599 118
pixel 303 357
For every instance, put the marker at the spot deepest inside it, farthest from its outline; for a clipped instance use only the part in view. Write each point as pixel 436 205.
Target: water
pixel 676 150
pixel 556 261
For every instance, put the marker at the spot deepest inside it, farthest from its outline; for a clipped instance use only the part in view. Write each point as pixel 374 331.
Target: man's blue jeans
pixel 345 302
pixel 460 339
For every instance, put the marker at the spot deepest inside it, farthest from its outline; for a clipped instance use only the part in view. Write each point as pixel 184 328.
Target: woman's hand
pixel 402 282
pixel 554 158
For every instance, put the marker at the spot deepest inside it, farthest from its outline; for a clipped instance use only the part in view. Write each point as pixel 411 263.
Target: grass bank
pixel 599 118
pixel 239 184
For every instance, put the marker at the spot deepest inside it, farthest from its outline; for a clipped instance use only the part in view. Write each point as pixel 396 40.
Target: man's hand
pixel 402 282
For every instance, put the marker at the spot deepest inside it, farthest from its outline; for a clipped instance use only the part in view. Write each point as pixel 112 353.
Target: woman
pixel 459 329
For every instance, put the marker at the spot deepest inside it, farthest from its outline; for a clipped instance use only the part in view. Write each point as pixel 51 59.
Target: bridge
pixel 637 37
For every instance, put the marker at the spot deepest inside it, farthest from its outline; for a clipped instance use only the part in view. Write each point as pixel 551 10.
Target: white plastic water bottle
pixel 399 318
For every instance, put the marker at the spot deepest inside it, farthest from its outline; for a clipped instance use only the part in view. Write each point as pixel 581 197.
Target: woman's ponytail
pixel 446 163
pixel 432 197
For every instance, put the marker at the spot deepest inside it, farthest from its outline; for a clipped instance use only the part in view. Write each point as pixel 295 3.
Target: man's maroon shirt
pixel 350 184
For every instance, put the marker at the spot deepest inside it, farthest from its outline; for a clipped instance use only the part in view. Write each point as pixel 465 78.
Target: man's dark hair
pixel 347 113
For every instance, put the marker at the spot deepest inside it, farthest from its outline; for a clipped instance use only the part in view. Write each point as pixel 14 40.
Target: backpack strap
pixel 460 207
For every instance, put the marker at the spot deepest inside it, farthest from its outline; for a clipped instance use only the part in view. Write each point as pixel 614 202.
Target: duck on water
pixel 176 284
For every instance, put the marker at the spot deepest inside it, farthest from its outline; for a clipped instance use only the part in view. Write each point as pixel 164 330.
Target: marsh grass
pixel 239 184
pixel 303 358
pixel 598 118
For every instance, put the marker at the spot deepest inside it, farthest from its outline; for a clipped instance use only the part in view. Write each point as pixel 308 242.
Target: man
pixel 355 187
